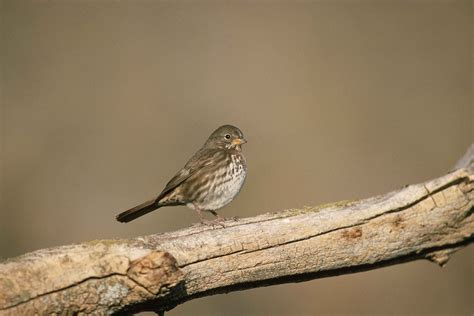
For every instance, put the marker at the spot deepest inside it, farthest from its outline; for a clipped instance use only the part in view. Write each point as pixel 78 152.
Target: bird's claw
pixel 216 222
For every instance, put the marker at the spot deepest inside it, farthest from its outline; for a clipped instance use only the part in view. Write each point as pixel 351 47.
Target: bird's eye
pixel 227 136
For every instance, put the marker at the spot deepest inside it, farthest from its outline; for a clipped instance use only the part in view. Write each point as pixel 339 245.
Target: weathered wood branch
pixel 430 221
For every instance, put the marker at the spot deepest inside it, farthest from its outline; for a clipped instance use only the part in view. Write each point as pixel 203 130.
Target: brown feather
pixel 138 211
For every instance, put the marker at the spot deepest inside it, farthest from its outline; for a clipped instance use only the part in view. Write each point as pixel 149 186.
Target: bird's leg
pixel 205 221
pixel 198 210
pixel 219 218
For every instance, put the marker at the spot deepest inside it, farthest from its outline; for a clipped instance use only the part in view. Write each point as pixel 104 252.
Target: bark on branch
pixel 430 221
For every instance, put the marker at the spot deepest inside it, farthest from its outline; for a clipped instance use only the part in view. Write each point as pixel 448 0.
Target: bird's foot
pixel 233 218
pixel 215 222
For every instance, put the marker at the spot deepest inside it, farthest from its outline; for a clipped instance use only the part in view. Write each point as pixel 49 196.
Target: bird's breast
pixel 226 183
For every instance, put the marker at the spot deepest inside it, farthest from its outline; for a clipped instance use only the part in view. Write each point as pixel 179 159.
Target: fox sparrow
pixel 209 180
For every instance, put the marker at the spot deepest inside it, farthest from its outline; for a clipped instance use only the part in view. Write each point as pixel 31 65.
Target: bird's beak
pixel 238 141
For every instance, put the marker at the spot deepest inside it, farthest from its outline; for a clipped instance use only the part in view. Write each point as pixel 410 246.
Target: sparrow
pixel 210 180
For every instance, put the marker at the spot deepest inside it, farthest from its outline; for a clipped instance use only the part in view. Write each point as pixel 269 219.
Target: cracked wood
pixel 430 221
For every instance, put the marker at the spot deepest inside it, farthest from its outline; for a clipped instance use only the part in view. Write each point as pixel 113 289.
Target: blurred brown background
pixel 103 101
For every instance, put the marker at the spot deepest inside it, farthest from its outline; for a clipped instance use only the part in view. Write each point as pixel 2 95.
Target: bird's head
pixel 226 137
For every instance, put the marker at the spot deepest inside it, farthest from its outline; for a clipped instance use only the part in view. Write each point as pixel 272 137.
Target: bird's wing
pixel 203 158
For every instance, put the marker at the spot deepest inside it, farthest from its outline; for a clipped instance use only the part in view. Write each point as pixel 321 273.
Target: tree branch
pixel 430 221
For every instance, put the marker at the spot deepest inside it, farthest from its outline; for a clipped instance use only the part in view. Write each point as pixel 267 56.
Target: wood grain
pixel 429 220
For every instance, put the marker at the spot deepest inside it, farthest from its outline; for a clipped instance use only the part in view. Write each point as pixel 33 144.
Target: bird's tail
pixel 138 211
